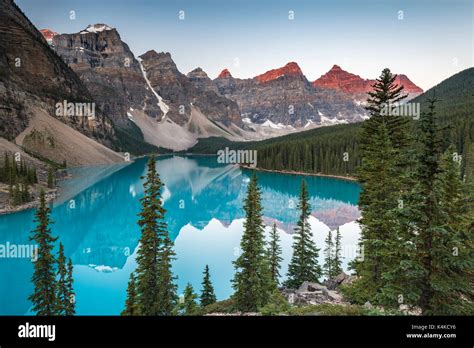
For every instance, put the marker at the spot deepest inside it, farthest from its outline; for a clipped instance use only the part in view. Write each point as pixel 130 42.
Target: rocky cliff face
pixel 341 80
pixel 109 70
pixel 182 92
pixel 285 97
pixel 33 77
pixel 201 81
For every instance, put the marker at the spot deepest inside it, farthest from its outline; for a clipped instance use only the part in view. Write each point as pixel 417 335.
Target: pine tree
pixel 167 288
pixel 131 307
pixel 439 211
pixel 337 261
pixel 156 291
pixel 71 303
pixel 252 280
pixel 274 254
pixel 328 256
pixel 43 298
pixel 207 295
pixel 50 178
pixel 188 305
pixel 304 263
pixel 384 177
pixel 452 245
pixel 62 293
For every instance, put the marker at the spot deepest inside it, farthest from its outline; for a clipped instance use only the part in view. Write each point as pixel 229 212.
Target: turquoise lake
pixel 95 218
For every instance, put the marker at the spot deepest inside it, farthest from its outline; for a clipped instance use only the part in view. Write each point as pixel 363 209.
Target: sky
pixel 428 40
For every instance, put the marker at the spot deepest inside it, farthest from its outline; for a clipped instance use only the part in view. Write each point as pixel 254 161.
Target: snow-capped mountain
pixel 150 100
pixel 285 96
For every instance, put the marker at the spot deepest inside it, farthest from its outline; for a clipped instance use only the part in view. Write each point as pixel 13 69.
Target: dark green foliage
pixel 166 300
pixel 328 150
pixel 304 263
pixel 277 304
pixel 71 303
pixel 452 247
pixel 156 290
pixel 332 255
pixel 225 306
pixel 43 298
pixel 327 309
pixel 455 106
pixel 252 280
pixel 322 150
pixel 207 294
pixel 19 176
pixel 65 296
pixel 188 305
pixel 438 213
pixel 421 252
pixel 383 176
pixel 62 294
pixel 328 256
pixel 274 254
pixel 337 261
pixel 213 144
pixel 131 140
pixel 131 307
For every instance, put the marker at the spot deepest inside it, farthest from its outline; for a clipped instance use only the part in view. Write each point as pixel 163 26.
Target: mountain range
pixel 33 79
pixel 145 102
pixel 172 110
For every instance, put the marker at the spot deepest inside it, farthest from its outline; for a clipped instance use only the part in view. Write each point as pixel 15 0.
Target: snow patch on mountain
pixel 326 121
pixel 95 28
pixel 272 125
pixel 163 106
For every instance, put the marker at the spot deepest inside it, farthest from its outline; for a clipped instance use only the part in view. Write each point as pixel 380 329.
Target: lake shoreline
pixel 290 172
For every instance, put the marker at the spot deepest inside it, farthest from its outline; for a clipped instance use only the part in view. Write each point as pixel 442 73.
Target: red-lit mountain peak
pixel 336 78
pixel 48 34
pixel 290 69
pixel 408 86
pixel 224 74
pixel 339 79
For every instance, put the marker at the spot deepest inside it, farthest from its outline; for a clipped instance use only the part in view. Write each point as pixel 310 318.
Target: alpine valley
pixel 132 176
pixel 145 104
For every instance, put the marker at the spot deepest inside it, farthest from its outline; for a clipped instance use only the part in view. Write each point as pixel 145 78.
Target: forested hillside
pixel 335 150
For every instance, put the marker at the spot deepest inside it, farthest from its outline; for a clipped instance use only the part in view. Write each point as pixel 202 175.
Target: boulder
pixel 310 293
pixel 340 279
pixel 311 287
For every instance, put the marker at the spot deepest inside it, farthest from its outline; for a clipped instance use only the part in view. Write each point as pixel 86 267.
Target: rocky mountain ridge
pixel 339 79
pixel 35 80
pixel 151 92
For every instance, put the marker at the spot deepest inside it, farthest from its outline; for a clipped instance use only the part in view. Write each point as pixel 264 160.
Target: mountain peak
pixel 48 34
pixel 290 69
pixel 197 73
pixel 152 54
pixel 96 28
pixel 224 74
pixel 336 78
pixel 408 85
